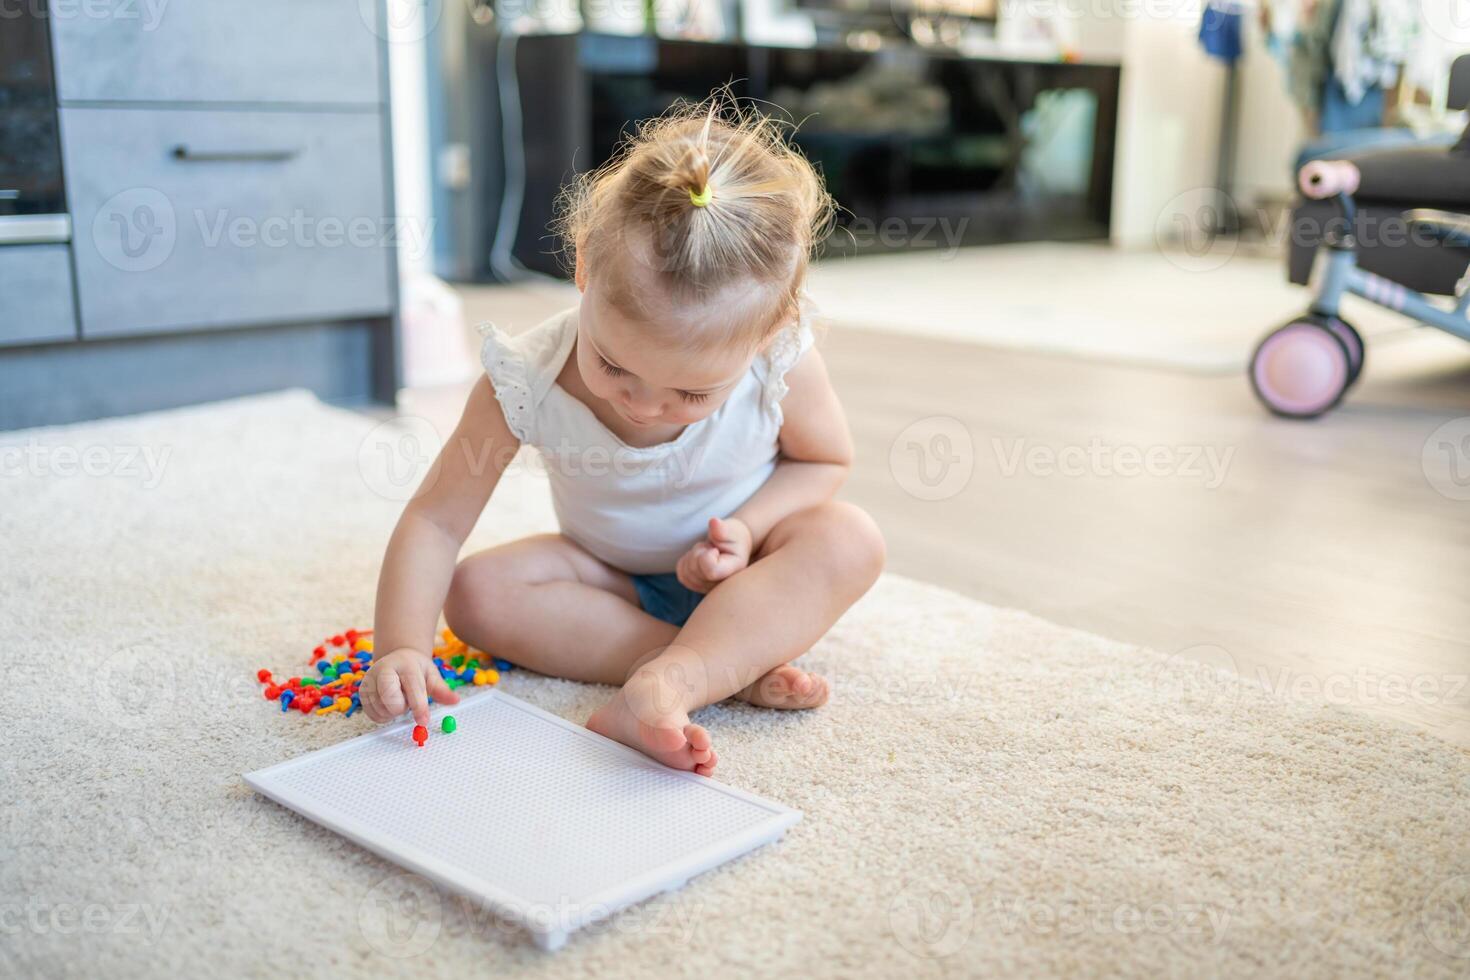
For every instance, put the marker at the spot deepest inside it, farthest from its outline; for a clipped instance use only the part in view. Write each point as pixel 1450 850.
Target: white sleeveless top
pixel 639 509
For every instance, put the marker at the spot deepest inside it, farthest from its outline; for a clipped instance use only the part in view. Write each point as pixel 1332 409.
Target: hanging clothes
pixel 1371 40
pixel 1340 55
pixel 1220 29
pixel 1340 113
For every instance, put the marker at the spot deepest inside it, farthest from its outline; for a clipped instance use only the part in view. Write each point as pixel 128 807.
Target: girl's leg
pixel 546 604
pixel 811 568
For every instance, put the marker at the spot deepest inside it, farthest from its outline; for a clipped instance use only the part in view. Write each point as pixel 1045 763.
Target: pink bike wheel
pixel 1351 339
pixel 1301 370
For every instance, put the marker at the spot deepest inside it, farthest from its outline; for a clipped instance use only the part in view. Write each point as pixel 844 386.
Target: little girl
pixel 693 442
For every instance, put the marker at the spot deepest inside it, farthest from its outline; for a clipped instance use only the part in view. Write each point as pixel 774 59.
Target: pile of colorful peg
pixel 343 660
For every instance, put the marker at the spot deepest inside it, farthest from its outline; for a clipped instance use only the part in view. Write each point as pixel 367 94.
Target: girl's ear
pixel 579 272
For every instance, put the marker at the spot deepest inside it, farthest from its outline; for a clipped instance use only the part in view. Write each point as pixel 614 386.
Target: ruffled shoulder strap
pixel 522 368
pixel 781 356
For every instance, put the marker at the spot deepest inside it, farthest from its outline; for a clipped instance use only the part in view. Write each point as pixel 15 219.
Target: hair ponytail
pixel 703 198
pixel 692 172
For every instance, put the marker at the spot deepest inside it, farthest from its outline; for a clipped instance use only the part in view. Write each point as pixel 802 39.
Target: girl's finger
pixel 440 691
pixel 369 698
pixel 687 572
pixel 687 569
pixel 418 697
pixel 725 566
pixel 719 533
pixel 390 694
pixel 691 580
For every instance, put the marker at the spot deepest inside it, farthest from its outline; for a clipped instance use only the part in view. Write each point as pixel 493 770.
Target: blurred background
pixel 1066 227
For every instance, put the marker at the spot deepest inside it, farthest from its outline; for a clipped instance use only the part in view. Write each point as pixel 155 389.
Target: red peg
pixel 420 735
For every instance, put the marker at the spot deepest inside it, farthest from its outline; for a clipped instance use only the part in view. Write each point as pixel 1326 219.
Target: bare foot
pixel 644 715
pixel 787 687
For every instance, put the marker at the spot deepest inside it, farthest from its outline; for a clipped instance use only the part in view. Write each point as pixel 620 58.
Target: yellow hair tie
pixel 701 198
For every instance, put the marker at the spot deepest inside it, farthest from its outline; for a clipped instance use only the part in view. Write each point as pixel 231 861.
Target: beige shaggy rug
pixel 987 794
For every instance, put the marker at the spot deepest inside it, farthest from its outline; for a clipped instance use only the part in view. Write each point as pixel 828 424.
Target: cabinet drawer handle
pixel 182 152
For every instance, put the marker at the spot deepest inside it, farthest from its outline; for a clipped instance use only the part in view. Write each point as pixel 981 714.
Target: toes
pixel 699 739
pixel 700 752
pixel 707 768
pixel 664 739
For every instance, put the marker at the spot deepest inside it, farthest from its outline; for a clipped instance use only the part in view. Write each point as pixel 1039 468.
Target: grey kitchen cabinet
pixel 199 219
pixel 286 51
pixel 36 294
pixel 227 221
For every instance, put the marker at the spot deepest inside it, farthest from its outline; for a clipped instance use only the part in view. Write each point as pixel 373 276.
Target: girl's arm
pixel 816 451
pixel 421 558
pixel 816 454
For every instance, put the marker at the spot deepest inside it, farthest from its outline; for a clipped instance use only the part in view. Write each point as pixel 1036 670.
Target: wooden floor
pixel 1318 559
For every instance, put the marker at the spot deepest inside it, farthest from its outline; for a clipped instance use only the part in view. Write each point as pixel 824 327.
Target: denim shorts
pixel 664 597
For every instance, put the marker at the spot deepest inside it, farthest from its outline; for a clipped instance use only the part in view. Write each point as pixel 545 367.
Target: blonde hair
pixel 708 197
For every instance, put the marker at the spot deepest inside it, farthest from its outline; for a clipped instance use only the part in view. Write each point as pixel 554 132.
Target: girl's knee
pixel 848 536
pixel 861 542
pixel 474 585
pixel 458 603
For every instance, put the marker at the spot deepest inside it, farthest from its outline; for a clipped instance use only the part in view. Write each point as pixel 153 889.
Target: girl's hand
pixel 725 552
pixel 403 680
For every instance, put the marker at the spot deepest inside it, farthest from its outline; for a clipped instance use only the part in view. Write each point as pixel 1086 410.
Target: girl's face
pixel 649 384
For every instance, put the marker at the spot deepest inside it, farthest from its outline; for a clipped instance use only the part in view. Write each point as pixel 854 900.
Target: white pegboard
pixel 549 824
